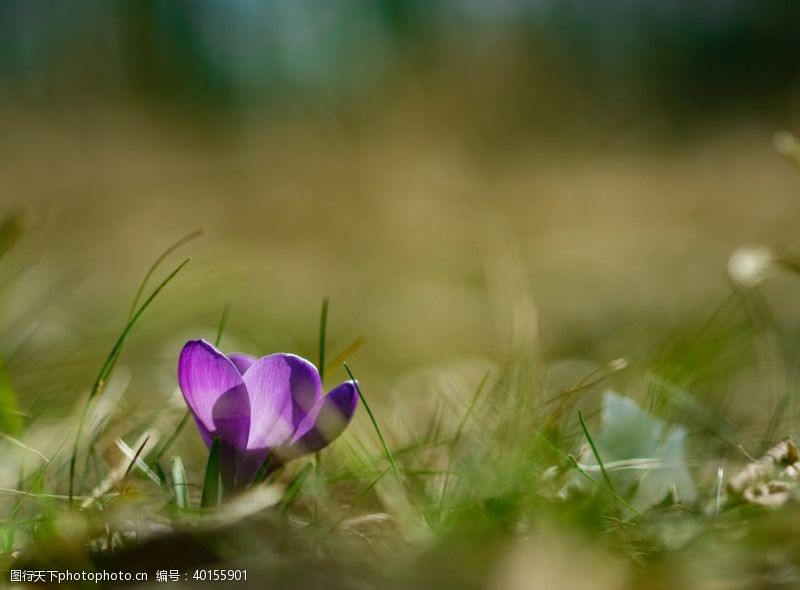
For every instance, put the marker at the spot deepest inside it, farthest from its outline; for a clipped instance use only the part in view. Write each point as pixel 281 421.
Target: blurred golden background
pixel 511 206
pixel 409 161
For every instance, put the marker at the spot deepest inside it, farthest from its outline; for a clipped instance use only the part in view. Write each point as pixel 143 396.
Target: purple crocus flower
pixel 259 408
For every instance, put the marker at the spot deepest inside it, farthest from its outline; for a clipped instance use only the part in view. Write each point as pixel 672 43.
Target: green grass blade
pixel 585 474
pixel 473 402
pixel 595 452
pixel 295 487
pixel 173 437
pixel 223 321
pixel 360 496
pixel 187 238
pixel 159 471
pixel 323 330
pixel 179 485
pixel 366 489
pixel 261 474
pixel 374 423
pixel 460 430
pixel 10 416
pixel 108 365
pixel 212 488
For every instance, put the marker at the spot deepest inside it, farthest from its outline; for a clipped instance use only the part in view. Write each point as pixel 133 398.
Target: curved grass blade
pixel 295 487
pixel 223 321
pixel 595 452
pixel 374 422
pixel 366 490
pixel 187 238
pixel 173 437
pixel 212 488
pixel 108 366
pixel 586 474
pixel 22 445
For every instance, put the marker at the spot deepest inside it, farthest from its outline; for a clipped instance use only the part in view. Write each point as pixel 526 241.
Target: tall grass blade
pixel 264 470
pixel 460 430
pixel 187 238
pixel 212 488
pixel 223 321
pixel 595 452
pixel 108 366
pixel 173 437
pixel 323 330
pixel 367 488
pixel 374 423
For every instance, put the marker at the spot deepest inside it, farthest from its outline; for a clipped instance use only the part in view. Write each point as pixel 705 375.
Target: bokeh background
pixel 456 176
pixel 533 187
pixel 384 154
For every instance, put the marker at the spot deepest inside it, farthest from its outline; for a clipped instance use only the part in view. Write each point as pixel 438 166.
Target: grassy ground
pixel 488 301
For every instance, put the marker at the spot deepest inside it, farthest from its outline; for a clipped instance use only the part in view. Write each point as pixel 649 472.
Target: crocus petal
pixel 283 388
pixel 215 393
pixel 325 423
pixel 241 361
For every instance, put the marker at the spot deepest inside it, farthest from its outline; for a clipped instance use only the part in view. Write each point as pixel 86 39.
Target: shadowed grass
pixel 212 488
